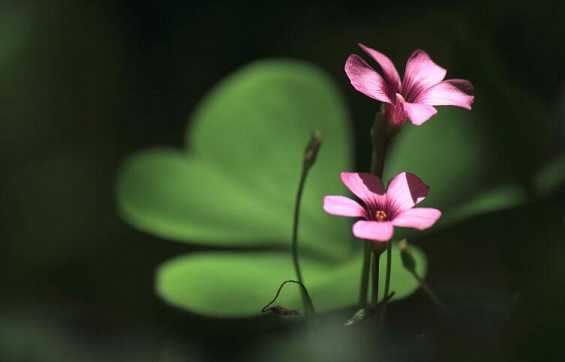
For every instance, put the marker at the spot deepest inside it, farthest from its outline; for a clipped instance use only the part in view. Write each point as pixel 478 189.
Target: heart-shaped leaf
pixel 238 285
pixel 237 183
pixel 236 187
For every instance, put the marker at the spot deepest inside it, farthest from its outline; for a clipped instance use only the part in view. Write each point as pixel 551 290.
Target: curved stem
pixel 310 155
pixel 310 306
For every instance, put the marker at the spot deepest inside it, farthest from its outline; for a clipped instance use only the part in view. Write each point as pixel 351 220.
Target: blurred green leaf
pixel 551 176
pixel 236 285
pixel 330 342
pixel 26 335
pixel 445 153
pixel 448 154
pixel 498 198
pixel 236 186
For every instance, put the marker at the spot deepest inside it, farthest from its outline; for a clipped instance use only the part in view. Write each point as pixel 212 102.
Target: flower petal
pixel 365 79
pixel 451 92
pixel 373 230
pixel 406 190
pixel 365 186
pixel 421 73
pixel 420 218
pixel 343 206
pixel 389 70
pixel 418 113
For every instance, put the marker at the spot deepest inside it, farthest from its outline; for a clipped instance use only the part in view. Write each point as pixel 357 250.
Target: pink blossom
pixel 383 210
pixel 414 98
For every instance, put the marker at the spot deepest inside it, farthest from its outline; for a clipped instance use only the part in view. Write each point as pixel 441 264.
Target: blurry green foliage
pixel 448 154
pixel 27 336
pixel 330 342
pixel 243 283
pixel 497 198
pixel 550 176
pixel 444 152
pixel 236 185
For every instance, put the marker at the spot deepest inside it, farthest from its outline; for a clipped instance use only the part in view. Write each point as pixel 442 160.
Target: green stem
pixel 375 263
pixel 365 272
pixel 429 291
pixel 375 278
pixel 294 247
pixel 309 309
pixel 381 134
pixel 387 283
pixel 409 264
pixel 310 155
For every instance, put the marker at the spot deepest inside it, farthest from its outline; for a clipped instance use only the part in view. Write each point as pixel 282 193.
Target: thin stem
pixel 365 272
pixel 380 139
pixel 409 264
pixel 375 263
pixel 429 291
pixel 387 283
pixel 381 134
pixel 296 219
pixel 310 155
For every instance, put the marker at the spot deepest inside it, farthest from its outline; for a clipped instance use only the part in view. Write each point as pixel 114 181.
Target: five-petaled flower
pixel 383 210
pixel 414 97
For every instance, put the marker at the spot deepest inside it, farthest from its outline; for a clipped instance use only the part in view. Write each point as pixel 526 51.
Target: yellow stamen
pixel 380 215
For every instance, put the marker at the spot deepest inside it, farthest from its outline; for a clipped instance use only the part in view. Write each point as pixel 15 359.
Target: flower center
pixel 380 215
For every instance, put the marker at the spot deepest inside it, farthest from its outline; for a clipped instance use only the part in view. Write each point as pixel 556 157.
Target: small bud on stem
pixel 407 259
pixel 312 149
pixel 310 155
pixel 409 264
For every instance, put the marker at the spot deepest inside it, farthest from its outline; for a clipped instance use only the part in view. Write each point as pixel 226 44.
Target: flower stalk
pixel 380 137
pixel 382 315
pixel 310 155
pixel 412 98
pixel 377 251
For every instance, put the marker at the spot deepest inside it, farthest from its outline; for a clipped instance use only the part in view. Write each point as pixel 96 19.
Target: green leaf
pixel 237 183
pixel 447 154
pixel 236 187
pixel 498 198
pixel 551 176
pixel 444 153
pixel 238 285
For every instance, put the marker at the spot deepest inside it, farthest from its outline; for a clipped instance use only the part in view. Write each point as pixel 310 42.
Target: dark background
pixel 84 84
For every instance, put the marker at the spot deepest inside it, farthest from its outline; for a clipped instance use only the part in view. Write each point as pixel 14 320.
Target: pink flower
pixel 382 211
pixel 422 88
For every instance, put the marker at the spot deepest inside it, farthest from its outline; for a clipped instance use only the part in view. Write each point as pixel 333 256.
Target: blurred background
pixel 84 84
